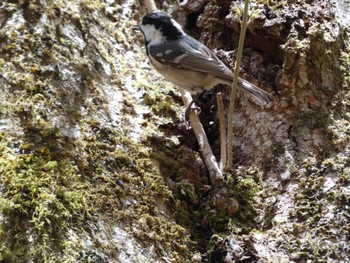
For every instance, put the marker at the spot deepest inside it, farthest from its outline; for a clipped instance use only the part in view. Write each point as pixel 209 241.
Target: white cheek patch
pixel 157 38
pixel 152 35
pixel 148 31
pixel 167 52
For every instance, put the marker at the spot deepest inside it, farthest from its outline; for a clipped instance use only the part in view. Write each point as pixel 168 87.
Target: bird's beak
pixel 136 28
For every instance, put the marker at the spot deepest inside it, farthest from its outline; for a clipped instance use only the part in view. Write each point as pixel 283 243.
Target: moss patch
pixel 67 159
pixel 42 197
pixel 322 211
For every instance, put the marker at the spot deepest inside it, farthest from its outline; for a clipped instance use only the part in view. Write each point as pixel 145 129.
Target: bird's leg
pixel 189 107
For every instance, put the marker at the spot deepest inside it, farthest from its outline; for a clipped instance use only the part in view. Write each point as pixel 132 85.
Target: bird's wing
pixel 191 55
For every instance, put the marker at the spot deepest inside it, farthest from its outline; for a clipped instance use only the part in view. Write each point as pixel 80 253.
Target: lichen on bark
pixel 78 178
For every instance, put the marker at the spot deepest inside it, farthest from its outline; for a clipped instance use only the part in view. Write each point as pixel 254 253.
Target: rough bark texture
pixel 98 165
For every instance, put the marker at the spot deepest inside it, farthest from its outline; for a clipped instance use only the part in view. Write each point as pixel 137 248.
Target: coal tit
pixel 186 62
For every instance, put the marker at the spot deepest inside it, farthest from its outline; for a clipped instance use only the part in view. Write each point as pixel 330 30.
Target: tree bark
pixel 97 163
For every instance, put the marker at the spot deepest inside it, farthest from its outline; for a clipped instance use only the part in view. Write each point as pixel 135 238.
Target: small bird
pixel 186 62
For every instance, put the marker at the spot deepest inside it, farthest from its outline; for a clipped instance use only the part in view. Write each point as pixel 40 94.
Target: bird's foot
pixel 190 108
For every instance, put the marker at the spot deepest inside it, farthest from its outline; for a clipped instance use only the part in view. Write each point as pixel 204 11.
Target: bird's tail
pixel 262 96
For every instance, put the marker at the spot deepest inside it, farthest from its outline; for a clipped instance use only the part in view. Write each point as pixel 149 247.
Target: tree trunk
pixel 97 163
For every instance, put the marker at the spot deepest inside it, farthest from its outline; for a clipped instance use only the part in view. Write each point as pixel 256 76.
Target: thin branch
pixel 151 6
pixel 209 158
pixel 222 130
pixel 234 87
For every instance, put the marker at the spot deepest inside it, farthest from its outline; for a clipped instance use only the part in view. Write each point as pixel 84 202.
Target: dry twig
pixel 222 131
pixel 234 88
pixel 209 158
pixel 151 6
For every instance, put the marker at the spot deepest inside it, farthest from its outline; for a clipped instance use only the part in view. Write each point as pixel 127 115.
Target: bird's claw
pixel 190 109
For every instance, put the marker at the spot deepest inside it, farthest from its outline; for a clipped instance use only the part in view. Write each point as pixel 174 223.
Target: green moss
pixel 52 183
pixel 161 105
pixel 233 207
pixel 310 204
pixel 248 190
pixel 174 160
pixel 345 65
pixel 275 4
pixel 42 197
